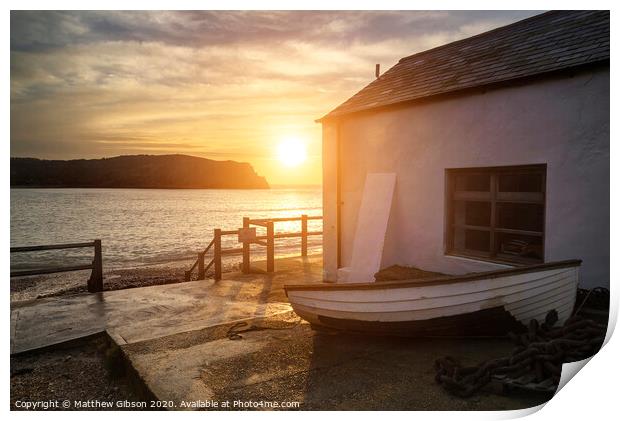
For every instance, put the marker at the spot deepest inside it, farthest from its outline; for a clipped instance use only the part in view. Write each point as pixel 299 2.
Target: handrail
pixel 95 282
pixel 287 219
pixel 200 263
pixel 268 240
pixel 52 247
pixel 289 235
pixel 262 240
pixel 209 246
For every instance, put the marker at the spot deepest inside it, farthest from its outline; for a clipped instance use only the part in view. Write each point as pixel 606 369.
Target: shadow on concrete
pixel 354 372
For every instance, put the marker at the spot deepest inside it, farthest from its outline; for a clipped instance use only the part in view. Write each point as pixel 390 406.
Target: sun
pixel 292 152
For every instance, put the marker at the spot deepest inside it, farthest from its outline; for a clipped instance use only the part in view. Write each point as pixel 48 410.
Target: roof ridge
pixel 480 35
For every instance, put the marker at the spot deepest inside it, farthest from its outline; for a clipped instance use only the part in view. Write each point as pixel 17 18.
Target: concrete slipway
pixel 177 340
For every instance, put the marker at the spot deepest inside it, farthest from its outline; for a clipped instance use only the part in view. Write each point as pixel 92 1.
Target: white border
pixel 592 394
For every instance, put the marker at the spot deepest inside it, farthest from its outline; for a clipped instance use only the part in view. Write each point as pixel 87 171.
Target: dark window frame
pixel 493 196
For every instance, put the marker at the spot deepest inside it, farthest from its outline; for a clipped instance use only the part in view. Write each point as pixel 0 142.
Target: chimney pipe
pixel 377 71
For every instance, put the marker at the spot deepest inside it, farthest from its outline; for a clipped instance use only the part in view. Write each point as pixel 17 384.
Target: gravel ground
pixel 84 372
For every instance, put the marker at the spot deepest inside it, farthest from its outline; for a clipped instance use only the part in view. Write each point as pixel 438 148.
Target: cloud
pixel 37 31
pixel 211 83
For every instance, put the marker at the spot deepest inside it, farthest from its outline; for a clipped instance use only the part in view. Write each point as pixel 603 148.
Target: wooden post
pixel 246 248
pixel 95 283
pixel 217 253
pixel 304 235
pixel 270 247
pixel 201 266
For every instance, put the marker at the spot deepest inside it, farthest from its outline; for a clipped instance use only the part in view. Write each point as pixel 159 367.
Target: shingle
pixel 548 42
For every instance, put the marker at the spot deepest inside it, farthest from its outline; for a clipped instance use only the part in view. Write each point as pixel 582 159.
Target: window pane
pixel 474 240
pixel 472 213
pixel 523 246
pixel 473 182
pixel 524 182
pixel 477 240
pixel 478 213
pixel 520 216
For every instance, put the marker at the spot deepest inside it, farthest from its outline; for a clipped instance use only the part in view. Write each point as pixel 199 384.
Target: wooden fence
pixel 247 236
pixel 95 282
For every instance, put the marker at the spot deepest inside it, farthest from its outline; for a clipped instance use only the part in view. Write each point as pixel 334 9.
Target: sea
pixel 140 227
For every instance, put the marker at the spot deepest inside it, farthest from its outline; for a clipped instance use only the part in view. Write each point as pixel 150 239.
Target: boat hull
pixel 491 303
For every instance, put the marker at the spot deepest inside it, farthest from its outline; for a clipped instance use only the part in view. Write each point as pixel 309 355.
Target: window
pixel 497 213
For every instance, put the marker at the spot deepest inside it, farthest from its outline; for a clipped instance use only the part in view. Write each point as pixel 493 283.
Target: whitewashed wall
pixel 563 122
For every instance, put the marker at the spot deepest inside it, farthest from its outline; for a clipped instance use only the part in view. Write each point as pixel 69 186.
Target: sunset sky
pixel 221 85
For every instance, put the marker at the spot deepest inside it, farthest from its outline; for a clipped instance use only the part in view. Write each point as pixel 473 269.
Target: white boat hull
pixel 487 303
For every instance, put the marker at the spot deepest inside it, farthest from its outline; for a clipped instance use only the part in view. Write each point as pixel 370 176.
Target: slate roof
pixel 544 43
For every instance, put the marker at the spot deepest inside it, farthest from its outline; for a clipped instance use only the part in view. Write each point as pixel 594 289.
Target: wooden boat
pixel 487 303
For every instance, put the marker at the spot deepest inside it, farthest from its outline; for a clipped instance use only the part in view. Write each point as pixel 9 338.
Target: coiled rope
pixel 540 352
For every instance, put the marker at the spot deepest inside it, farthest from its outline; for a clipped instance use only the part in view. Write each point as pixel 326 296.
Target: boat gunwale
pixel 569 291
pixel 468 293
pixel 438 280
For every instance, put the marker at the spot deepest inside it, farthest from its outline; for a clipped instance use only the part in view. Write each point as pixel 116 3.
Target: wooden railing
pixel 247 236
pixel 95 282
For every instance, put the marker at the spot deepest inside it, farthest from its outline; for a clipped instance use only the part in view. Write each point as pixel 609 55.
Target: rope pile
pixel 540 352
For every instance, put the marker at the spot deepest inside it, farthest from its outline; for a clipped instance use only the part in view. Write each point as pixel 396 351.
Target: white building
pixel 500 145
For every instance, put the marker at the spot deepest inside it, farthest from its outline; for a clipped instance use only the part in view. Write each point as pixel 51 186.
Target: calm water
pixel 139 227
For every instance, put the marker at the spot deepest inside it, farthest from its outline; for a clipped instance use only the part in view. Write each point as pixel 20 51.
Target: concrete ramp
pixel 140 314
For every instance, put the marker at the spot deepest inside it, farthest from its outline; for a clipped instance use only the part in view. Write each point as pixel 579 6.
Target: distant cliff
pixel 136 171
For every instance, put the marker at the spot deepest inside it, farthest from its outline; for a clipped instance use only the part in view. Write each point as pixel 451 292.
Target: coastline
pixel 136 171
